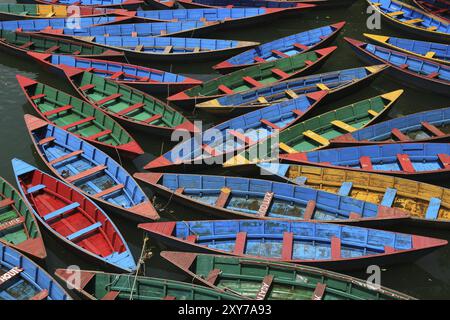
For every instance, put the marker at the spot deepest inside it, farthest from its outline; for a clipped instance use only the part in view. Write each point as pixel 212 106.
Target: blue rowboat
pixel 427 126
pixel 89 170
pixel 152 29
pixel 73 218
pixel 281 48
pixel 22 279
pixel 149 80
pixel 439 8
pixel 437 52
pixel 119 4
pixel 337 83
pixel 170 49
pixel 236 134
pixel 243 3
pixel 229 17
pixel 412 20
pixel 330 246
pixel 58 24
pixel 414 160
pixel 408 69
pixel 235 197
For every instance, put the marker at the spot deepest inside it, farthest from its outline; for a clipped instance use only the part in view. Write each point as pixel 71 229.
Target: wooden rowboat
pixel 428 204
pixel 427 126
pixel 19 43
pixel 89 171
pixel 15 11
pixel 282 48
pixel 337 83
pixel 236 197
pixel 265 280
pixel 130 106
pixel 437 52
pixel 97 285
pixel 418 72
pixel 323 245
pixel 79 118
pixel 18 227
pixel 236 134
pixel 412 20
pixel 316 133
pixel 244 3
pixel 73 218
pixel 415 160
pixel 149 80
pixel 22 279
pixel 439 8
pixel 119 4
pixel 256 76
pixel 170 49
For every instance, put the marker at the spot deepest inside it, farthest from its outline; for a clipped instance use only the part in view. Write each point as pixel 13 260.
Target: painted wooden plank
pixel 430 54
pixel 78 123
pixel 365 163
pixel 300 46
pixel 279 53
pixel 309 210
pixel 262 100
pixel 432 129
pixel 433 75
pixel 253 82
pixel 405 163
pixel 266 203
pixel 301 180
pixel 212 276
pixel 109 191
pixel 345 189
pixel 291 94
pixel 41 295
pixel 225 89
pixel 241 241
pixel 319 291
pixel 266 285
pixel 223 197
pixel 413 21
pixel 109 98
pixel 52 49
pixel 168 49
pixel 344 126
pixel 373 113
pixel 259 59
pixel 297 112
pixel 6 203
pixel 38 96
pixel 286 148
pixel 209 150
pixel 111 295
pixel 316 137
pixel 36 188
pixel 280 73
pixel 433 209
pixel 389 197
pixel 444 159
pixel 100 134
pixel 399 135
pixel 61 211
pixel 12 223
pixel 130 108
pixel 57 110
pixel 192 238
pixel 83 231
pixel 153 118
pixel 117 75
pixel 240 136
pixel 322 86
pixel 395 13
pixel 335 248
pixel 85 173
pixel 87 87
pixel 287 247
pixel 269 124
pixel 10 275
pixel 66 156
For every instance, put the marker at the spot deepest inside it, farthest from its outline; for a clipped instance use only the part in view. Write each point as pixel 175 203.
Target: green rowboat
pixel 253 77
pixel 316 133
pixel 79 118
pixel 97 285
pixel 18 226
pixel 130 106
pixel 263 280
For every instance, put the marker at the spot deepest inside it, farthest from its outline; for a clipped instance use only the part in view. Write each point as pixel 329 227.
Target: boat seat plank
pixel 309 210
pixel 354 216
pixel 78 123
pixel 61 211
pixel 139 48
pixel 223 88
pixel 286 148
pixel 12 223
pixel 266 285
pixel 405 163
pixel 444 159
pixel 291 94
pixel 38 96
pixel 252 81
pixel 46 140
pixel 432 28
pixel 87 87
pixel 309 62
pixel 41 295
pixel 262 100
pixel 432 212
pixel 373 113
pixel 413 21
pixel 117 75
pixel 344 126
pixel 430 54
pixel 170 298
pixel 13 274
pixel 223 197
pixel 365 163
pixel 100 134
pixel 153 118
pixel 301 180
pixel 58 110
pixel 83 231
pixel 240 136
pixel 298 112
pixel 109 98
pixel 259 59
pixel 239 246
pixel 389 197
pixel 269 124
pixel 134 34
pixel 399 135
pixel 265 204
pixel 131 108
pixel 279 53
pixel 280 73
pixel 52 49
pixel 212 276
pixel 196 50
pixel 209 150
pixel 316 137
pixel 322 86
pixel 335 248
pixel 168 49
pixel 432 129
pixel 300 46
pixel 319 291
pixel 66 156
pixel 6 203
pixel 36 188
pixel 109 191
pixel 27 45
pixel 85 173
pixel 395 13
pixel 404 66
pixel 192 238
pixel 433 75
pixel 287 247
pixel 111 295
pixel 345 189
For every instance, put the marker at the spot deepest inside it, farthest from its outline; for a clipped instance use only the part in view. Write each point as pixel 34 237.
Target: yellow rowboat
pixel 437 52
pixel 427 203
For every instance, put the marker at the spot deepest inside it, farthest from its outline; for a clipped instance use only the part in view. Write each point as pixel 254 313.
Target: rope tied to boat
pixel 141 262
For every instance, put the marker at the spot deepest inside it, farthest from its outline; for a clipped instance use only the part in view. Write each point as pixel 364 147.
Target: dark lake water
pixel 428 278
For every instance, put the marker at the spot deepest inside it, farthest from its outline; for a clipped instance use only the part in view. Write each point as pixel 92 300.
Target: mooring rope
pixel 140 263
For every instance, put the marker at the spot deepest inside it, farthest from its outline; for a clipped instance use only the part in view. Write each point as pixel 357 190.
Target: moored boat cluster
pixel 312 191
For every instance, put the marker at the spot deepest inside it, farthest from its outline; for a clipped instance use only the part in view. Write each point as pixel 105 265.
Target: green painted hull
pixel 96 285
pixel 101 130
pixel 259 279
pixel 24 236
